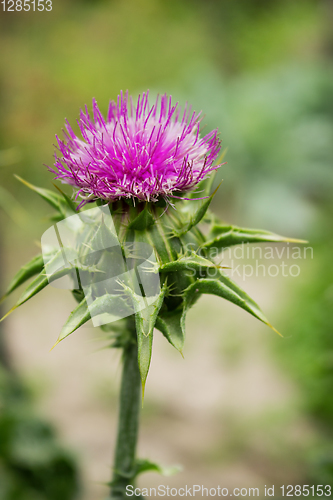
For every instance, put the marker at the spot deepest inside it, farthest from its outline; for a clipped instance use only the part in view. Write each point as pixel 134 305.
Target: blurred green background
pixel 245 408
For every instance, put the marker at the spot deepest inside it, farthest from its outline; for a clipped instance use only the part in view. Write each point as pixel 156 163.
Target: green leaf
pixel 248 303
pixel 222 236
pixel 35 266
pixel 111 305
pixel 189 262
pixel 142 221
pixel 227 289
pixel 35 286
pixel 166 247
pixel 77 318
pixel 143 465
pixel 145 319
pixel 41 281
pixel 170 325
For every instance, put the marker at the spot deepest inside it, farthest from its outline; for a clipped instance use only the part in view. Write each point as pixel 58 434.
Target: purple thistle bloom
pixel 137 152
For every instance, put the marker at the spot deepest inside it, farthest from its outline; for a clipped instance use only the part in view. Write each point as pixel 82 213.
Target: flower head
pixel 138 151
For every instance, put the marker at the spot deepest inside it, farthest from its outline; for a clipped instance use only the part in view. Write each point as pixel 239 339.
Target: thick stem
pixel 130 401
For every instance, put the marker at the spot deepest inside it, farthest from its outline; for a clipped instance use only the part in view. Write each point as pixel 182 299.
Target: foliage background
pixel 245 408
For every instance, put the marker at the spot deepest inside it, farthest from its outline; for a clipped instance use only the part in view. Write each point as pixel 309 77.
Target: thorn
pixel 23 181
pixel 9 312
pixel 54 345
pixel 182 355
pixel 215 191
pixel 275 330
pixel 57 187
pixel 294 240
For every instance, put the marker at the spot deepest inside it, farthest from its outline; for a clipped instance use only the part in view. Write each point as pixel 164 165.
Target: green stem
pixel 130 401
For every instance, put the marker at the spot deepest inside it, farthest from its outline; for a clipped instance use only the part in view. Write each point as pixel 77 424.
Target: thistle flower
pixel 139 151
pixel 144 153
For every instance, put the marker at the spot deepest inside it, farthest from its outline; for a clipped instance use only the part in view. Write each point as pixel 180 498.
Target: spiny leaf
pixel 145 319
pixel 77 318
pixel 142 221
pixel 35 286
pixel 227 289
pixel 222 236
pixel 166 247
pixel 189 262
pixel 172 324
pixel 114 306
pixel 169 324
pixel 35 266
pixel 41 281
pixel 251 306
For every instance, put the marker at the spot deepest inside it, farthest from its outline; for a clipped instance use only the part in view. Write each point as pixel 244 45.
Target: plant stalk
pixel 124 470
